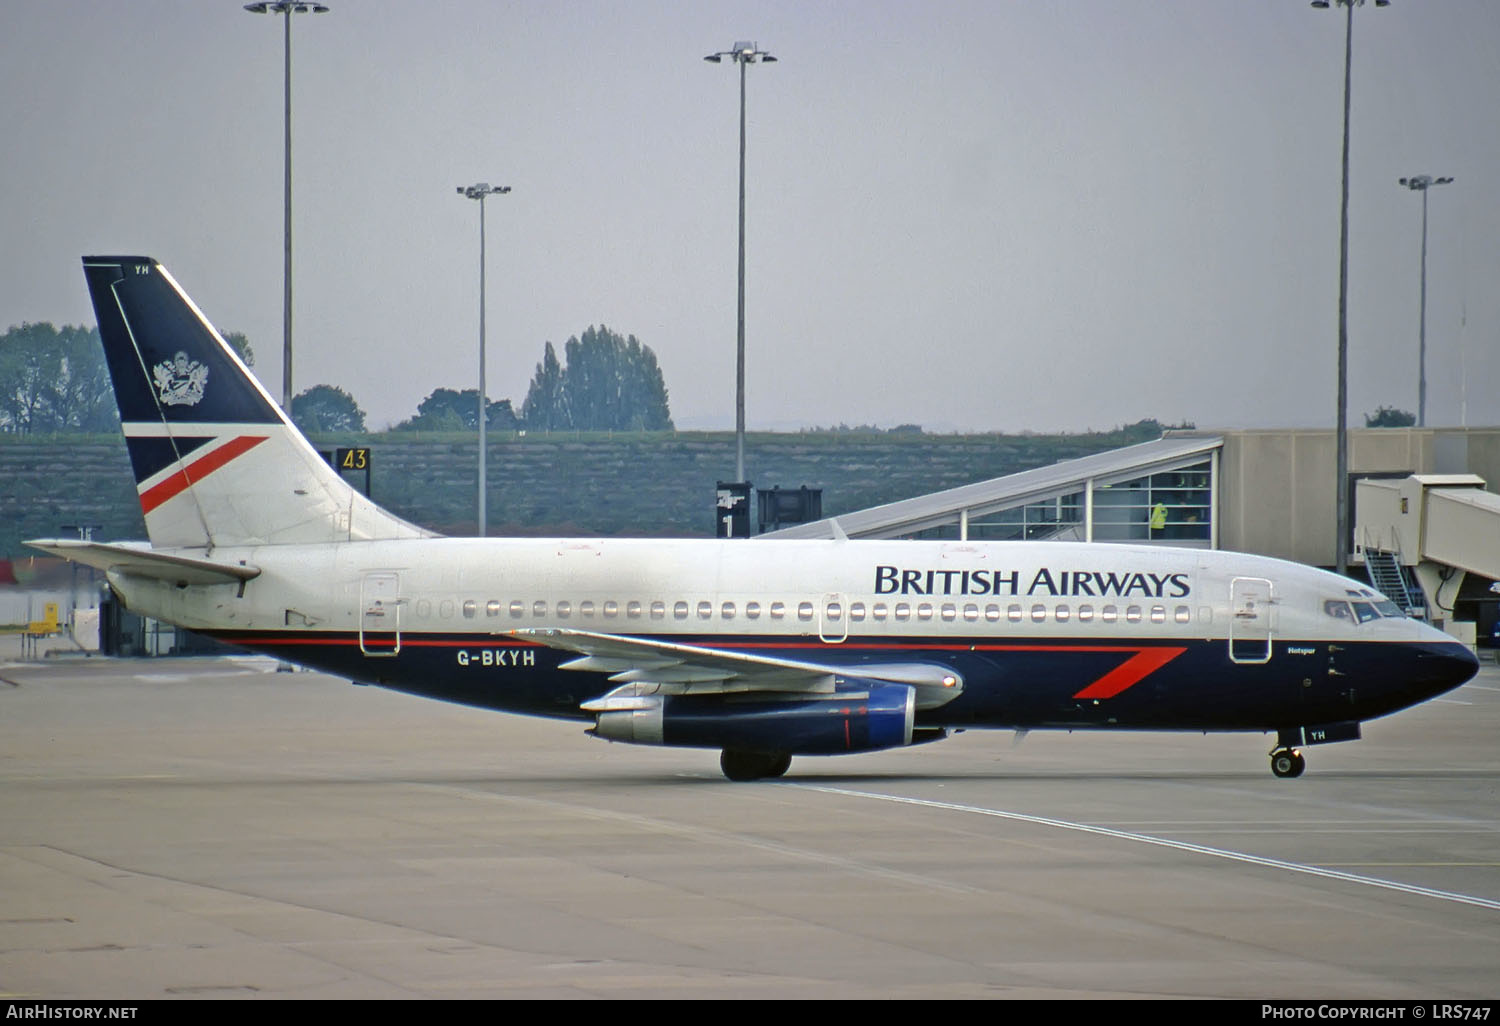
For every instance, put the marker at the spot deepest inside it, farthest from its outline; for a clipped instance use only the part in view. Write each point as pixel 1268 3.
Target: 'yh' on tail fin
pixel 216 462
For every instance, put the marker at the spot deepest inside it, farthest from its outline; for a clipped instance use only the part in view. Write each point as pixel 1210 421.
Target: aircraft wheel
pixel 780 766
pixel 1288 763
pixel 742 766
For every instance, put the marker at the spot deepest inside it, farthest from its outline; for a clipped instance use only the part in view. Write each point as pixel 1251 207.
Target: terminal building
pixel 1423 526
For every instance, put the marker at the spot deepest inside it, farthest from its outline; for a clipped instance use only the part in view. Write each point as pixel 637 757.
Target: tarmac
pixel 211 828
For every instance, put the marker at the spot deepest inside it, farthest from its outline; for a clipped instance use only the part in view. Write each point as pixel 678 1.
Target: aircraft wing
pixel 143 561
pixel 646 667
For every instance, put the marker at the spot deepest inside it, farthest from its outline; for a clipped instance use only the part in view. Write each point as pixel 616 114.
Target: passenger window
pixel 1085 613
pixel 992 613
pixel 611 609
pixel 903 611
pixel 584 608
pixel 752 610
pixel 778 610
pixel 726 610
pixel 1109 614
pixel 1158 614
pixel 564 609
pixel 658 610
pixel 924 611
pixel 492 607
pixel 804 611
pixel 833 611
pixel 539 608
pixel 949 612
pixel 1182 614
pixel 1038 613
pixel 878 611
pixel 971 612
pixel 705 610
pixel 1132 614
pixel 517 609
pixel 857 611
pixel 1062 613
pixel 1013 613
pixel 680 610
pixel 471 608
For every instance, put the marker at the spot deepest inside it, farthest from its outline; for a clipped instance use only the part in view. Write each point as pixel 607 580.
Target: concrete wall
pixel 1277 493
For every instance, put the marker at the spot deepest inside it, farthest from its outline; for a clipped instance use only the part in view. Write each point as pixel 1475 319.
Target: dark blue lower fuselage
pixel 1017 682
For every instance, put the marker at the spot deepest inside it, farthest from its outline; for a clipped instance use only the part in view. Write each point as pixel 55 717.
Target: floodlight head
pixel 741 53
pixel 479 190
pixel 286 7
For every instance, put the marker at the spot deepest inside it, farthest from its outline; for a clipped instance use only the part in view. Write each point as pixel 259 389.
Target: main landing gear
pixel 1287 762
pixel 740 766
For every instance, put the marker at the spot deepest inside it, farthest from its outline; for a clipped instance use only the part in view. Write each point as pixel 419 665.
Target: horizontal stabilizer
pixel 139 560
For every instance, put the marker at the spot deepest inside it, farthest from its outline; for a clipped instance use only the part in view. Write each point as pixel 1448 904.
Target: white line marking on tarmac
pixel 1198 849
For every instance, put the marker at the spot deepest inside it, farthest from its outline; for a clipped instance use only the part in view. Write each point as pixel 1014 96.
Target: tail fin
pixel 216 461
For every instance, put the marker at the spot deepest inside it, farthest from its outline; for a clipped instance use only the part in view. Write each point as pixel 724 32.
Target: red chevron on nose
pixel 1131 672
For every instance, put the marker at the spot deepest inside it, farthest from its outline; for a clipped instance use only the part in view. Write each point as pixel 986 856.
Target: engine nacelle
pixel 862 716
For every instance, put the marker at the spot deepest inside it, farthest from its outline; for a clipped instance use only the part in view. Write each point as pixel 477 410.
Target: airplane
pixel 764 649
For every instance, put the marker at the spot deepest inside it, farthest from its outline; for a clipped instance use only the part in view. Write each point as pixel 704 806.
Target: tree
pixel 241 346
pixel 1389 416
pixel 447 410
pixel 54 380
pixel 546 406
pixel 325 409
pixel 608 383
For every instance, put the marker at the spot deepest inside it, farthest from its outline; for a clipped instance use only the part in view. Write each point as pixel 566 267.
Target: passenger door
pixel 1251 615
pixel 380 613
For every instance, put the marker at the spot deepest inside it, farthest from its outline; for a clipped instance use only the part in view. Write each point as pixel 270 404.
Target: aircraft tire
pixel 1288 763
pixel 742 766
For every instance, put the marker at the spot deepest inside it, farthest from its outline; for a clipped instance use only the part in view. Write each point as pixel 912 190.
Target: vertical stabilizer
pixel 216 462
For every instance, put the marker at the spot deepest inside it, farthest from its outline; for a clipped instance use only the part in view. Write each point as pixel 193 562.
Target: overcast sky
pixel 969 215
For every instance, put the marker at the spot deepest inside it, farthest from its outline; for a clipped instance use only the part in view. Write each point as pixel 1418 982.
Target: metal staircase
pixel 1391 579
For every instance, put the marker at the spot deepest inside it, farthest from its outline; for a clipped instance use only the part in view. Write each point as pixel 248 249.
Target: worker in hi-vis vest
pixel 1158 518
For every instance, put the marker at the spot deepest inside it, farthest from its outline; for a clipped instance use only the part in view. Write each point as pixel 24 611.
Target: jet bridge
pixel 1420 535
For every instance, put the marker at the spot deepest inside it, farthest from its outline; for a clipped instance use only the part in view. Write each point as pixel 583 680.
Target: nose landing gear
pixel 1287 762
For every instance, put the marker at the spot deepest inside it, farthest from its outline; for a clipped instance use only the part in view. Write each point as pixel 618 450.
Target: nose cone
pixel 1441 666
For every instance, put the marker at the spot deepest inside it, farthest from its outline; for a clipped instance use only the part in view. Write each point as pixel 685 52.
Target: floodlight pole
pixel 1341 500
pixel 1421 183
pixel 742 54
pixel 287 8
pixel 478 192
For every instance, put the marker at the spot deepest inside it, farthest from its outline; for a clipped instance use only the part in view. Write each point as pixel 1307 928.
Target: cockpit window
pixel 1362 612
pixel 1338 609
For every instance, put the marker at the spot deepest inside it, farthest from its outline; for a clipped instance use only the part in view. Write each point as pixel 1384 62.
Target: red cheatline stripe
pixel 197 470
pixel 1131 672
